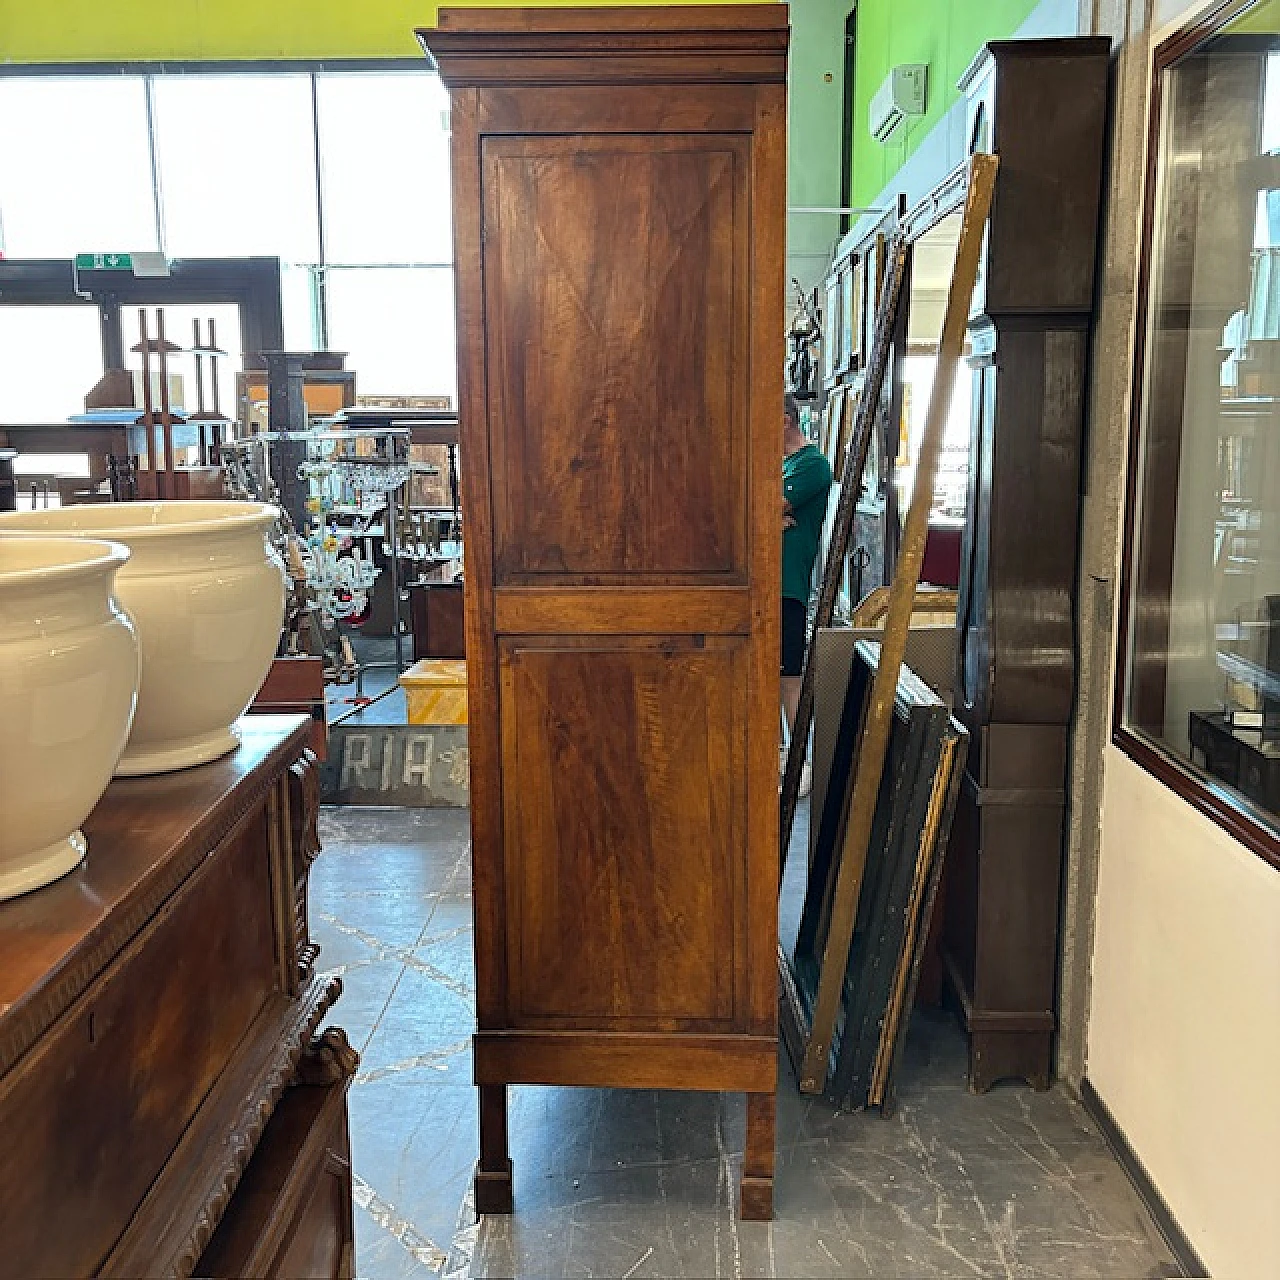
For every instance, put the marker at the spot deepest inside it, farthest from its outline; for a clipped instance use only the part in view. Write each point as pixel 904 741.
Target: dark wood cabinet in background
pixel 619 217
pixel 1042 106
pixel 159 1054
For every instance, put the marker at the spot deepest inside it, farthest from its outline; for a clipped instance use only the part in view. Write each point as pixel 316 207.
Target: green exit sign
pixel 141 264
pixel 104 262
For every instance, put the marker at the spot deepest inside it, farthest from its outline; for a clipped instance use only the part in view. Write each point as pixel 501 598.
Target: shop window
pixel 75 166
pixel 236 157
pixel 246 164
pixel 1199 696
pixel 49 358
pixel 397 326
pixel 384 164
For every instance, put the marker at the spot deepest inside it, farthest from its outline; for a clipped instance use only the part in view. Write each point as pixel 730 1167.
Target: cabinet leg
pixel 756 1199
pixel 493 1173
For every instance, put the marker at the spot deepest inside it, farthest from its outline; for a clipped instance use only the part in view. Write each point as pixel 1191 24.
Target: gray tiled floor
pixel 617 1183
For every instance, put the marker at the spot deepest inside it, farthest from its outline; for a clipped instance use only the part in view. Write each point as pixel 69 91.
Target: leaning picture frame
pixel 832 424
pixel 850 274
pixel 873 274
pixel 831 329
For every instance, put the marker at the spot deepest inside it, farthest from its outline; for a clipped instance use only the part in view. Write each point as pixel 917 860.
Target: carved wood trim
pixel 328 1059
pixel 279 853
pixel 304 839
pixel 22 1030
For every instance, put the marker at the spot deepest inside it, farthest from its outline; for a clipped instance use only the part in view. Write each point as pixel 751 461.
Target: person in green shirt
pixel 806 482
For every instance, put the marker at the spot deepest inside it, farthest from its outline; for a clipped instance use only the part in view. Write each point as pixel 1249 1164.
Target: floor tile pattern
pixel 637 1184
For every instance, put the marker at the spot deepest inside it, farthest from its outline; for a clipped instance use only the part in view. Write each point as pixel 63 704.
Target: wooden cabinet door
pixel 623 773
pixel 616 309
pixel 613 268
pixel 621 419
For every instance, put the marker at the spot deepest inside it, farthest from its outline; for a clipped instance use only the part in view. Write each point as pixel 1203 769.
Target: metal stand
pixel 391 549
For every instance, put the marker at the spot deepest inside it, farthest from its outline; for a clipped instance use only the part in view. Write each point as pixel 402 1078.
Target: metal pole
pixel 393 550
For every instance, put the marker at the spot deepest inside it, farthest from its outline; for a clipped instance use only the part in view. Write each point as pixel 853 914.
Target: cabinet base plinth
pixel 1004 1055
pixel 493 1190
pixel 756 1200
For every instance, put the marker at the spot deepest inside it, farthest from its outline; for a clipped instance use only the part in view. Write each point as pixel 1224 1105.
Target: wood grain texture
pixel 628 1060
pixel 613 108
pixel 187 1202
pixel 768 256
pixel 631 610
pixel 757 1160
pixel 622 769
pixel 615 449
pixel 147 1064
pixel 620 268
pixel 292 1217
pixel 151 833
pixel 483 738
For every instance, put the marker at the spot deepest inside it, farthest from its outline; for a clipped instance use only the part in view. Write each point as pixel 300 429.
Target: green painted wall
pixel 945 34
pixel 814 106
pixel 198 30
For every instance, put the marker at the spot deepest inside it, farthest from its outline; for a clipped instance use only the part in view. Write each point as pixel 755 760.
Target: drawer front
pixel 93 1112
pixel 320 1246
pixel 291 1215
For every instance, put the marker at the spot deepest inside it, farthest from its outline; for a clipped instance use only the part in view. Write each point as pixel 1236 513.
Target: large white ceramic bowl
pixel 68 683
pixel 206 591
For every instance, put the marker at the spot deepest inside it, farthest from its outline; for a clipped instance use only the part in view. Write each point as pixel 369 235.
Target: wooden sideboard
pixel 619 193
pixel 168 1106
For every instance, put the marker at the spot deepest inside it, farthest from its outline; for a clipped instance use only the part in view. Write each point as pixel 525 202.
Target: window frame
pixel 252 284
pixel 311 67
pixel 1215 800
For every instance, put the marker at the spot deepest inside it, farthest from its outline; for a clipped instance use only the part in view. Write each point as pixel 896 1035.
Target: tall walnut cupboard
pixel 619 221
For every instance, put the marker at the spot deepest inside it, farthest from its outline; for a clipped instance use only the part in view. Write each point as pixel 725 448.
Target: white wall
pixel 1184 1029
pixel 1183 993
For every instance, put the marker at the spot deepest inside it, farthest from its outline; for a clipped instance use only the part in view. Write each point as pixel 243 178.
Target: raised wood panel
pixel 616 424
pixel 129 1064
pixel 622 767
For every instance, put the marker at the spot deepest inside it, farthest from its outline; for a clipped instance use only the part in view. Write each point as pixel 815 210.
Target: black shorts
pixel 793 628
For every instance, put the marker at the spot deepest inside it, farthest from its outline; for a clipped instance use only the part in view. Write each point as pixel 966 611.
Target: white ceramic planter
pixel 68 683
pixel 206 592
